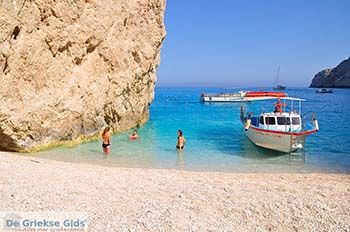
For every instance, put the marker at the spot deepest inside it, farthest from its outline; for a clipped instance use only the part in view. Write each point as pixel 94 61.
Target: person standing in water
pixel 180 140
pixel 106 141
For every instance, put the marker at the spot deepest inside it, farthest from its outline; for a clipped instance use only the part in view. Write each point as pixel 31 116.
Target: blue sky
pixel 241 43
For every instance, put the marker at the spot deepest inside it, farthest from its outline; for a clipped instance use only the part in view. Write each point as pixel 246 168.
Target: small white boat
pixel 324 90
pixel 224 97
pixel 278 130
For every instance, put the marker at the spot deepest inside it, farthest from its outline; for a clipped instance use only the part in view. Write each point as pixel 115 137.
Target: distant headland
pixel 338 77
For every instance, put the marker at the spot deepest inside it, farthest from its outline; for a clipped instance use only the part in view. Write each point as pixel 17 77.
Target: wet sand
pixel 131 199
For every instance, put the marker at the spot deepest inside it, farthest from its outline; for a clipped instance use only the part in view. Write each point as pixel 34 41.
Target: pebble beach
pixel 132 199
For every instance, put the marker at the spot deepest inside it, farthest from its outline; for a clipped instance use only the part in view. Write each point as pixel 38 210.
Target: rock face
pixel 69 68
pixel 338 77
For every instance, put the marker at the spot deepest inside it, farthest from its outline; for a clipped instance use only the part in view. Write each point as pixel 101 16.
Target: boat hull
pixel 223 99
pixel 324 91
pixel 285 142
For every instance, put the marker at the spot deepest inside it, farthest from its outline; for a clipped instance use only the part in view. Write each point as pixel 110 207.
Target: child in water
pixel 180 140
pixel 106 141
pixel 134 135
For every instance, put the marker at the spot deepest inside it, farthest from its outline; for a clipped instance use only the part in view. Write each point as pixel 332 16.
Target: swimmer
pixel 106 141
pixel 180 140
pixel 134 135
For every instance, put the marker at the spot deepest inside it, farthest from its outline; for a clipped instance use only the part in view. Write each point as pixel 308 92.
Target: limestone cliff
pixel 338 77
pixel 70 67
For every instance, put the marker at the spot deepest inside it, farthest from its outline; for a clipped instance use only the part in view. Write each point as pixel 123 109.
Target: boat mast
pixel 278 76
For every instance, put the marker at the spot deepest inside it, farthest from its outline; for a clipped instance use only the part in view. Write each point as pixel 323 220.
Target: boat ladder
pixel 299 154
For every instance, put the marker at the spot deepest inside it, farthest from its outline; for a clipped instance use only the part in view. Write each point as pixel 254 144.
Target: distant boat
pixel 324 90
pixel 278 85
pixel 241 96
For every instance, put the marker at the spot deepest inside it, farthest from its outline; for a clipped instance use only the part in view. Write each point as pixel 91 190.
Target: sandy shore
pixel 122 199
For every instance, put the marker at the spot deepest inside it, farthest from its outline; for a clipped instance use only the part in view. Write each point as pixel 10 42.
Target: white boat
pixel 224 97
pixel 241 96
pixel 278 130
pixel 324 90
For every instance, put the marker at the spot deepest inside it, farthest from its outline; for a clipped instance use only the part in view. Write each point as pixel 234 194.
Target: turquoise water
pixel 215 140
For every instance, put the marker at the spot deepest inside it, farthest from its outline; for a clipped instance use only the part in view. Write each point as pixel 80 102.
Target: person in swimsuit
pixel 180 140
pixel 106 141
pixel 134 135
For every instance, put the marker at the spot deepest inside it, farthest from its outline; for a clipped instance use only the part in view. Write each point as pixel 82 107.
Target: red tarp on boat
pixel 265 94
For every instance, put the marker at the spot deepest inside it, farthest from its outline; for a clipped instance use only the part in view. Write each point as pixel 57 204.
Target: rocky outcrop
pixel 69 68
pixel 338 77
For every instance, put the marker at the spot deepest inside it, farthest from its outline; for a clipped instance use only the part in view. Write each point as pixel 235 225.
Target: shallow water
pixel 215 140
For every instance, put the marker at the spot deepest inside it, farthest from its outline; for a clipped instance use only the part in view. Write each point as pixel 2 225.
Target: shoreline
pixel 239 169
pixel 118 198
pixel 82 139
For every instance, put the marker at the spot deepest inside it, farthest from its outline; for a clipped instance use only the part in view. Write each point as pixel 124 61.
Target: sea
pixel 215 140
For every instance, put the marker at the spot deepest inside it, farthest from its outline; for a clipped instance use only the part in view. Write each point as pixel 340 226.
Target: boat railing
pixel 309 121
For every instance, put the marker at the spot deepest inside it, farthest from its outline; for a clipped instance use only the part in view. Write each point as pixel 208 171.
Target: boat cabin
pixel 286 122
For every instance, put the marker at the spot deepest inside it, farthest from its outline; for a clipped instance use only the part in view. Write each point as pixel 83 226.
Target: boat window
pixel 295 121
pixel 283 120
pixel 270 120
pixel 262 120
